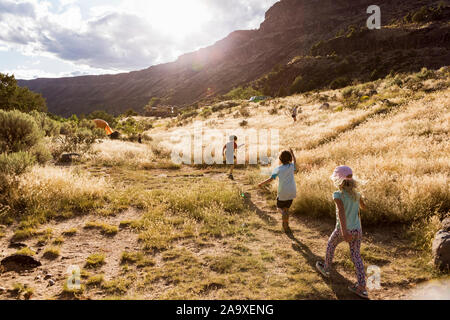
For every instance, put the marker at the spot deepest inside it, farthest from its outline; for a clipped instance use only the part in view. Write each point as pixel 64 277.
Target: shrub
pixel 421 15
pixel 47 125
pixel 18 131
pixel 241 93
pixel 11 166
pixel 425 74
pixel 206 112
pixel 41 152
pixel 80 140
pixel 224 105
pixel 15 163
pixel 273 111
pixel 244 123
pixel 340 82
pixel 347 92
pixel 95 260
pixel 188 114
pixel 244 112
pixel 297 85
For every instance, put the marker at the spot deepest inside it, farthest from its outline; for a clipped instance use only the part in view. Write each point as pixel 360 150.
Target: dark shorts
pixel 284 204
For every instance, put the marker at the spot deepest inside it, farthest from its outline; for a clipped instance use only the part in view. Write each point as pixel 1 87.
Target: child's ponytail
pixel 350 186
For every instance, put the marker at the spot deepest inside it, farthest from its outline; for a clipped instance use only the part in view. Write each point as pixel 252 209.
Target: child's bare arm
pixel 294 159
pixel 265 182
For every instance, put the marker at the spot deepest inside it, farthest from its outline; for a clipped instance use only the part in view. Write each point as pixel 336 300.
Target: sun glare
pixel 175 18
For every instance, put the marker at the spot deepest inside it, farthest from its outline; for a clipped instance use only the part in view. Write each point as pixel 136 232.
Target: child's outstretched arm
pixel 294 159
pixel 341 211
pixel 265 182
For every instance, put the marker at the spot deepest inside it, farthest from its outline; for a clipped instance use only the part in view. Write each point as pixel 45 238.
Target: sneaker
pixel 359 293
pixel 321 267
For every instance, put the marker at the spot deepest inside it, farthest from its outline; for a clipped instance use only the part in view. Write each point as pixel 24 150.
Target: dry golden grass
pixel 403 158
pixel 48 192
pixel 117 153
pixel 400 147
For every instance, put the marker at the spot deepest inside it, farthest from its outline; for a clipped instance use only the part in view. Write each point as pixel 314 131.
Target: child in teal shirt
pixel 348 227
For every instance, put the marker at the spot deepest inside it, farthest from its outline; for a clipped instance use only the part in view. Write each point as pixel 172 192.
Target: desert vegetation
pixel 140 226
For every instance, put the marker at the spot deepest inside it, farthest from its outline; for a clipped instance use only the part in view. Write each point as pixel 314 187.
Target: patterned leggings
pixel 355 246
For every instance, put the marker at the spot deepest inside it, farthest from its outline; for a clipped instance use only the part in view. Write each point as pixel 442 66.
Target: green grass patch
pixel 95 280
pixel 95 260
pixel 105 228
pixel 70 232
pixel 26 251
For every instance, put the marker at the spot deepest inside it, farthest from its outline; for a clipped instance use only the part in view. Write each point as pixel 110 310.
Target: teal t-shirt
pixel 351 210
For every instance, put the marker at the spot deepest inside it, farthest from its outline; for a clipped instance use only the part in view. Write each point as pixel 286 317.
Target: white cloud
pixel 129 35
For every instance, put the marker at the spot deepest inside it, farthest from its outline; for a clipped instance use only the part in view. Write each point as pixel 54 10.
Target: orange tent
pixel 102 124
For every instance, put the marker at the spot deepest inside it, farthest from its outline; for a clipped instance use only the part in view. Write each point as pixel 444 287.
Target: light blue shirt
pixel 351 210
pixel 287 190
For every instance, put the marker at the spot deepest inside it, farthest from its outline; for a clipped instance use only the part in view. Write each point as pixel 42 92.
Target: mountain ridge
pixel 290 28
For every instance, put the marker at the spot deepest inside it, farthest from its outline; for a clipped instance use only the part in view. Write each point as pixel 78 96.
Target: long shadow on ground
pixel 337 283
pixel 263 215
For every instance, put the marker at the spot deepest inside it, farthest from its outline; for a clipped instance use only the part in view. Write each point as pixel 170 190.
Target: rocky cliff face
pixel 290 28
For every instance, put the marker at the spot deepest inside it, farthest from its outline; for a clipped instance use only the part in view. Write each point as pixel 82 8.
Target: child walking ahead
pixel 348 227
pixel 287 190
pixel 229 152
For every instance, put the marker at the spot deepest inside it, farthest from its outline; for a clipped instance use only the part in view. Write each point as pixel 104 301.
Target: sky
pixel 59 38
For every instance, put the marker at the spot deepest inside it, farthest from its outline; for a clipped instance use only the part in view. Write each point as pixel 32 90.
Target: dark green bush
pixel 13 97
pixel 18 131
pixel 298 85
pixel 340 82
pixel 241 93
pixel 188 114
pixel 421 15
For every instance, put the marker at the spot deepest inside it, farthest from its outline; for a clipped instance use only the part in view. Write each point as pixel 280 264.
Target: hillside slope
pixel 290 29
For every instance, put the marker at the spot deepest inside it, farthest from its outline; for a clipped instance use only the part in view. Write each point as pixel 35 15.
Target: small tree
pixel 14 97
